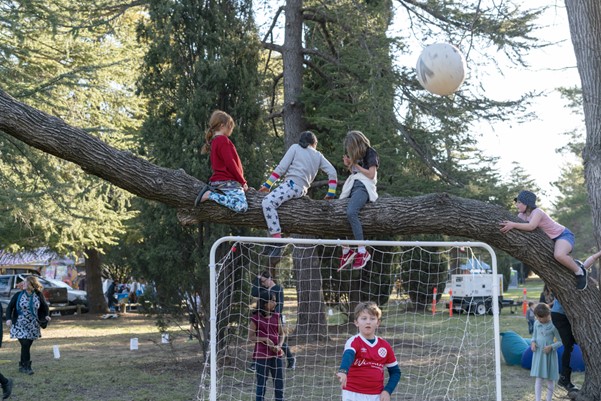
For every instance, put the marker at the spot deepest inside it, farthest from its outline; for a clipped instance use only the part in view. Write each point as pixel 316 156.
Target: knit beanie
pixel 527 198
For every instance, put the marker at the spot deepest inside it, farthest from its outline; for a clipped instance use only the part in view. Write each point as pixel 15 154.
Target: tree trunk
pixel 312 318
pixel 96 301
pixel 585 27
pixel 389 216
pixel 311 321
pixel 584 17
pixel 292 58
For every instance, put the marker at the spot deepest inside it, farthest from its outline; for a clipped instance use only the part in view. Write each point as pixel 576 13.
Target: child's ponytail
pixel 218 119
pixel 206 147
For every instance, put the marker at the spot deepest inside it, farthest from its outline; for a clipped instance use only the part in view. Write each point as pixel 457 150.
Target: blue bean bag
pixel 576 361
pixel 527 359
pixel 512 347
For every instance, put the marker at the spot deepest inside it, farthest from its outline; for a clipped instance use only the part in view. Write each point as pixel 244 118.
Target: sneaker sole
pixel 569 389
pixel 276 252
pixel 204 190
pixel 350 260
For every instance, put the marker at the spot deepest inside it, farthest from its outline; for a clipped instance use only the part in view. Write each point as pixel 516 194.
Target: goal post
pixel 442 355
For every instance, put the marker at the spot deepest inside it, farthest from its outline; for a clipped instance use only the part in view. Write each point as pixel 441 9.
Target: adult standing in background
pixel 563 326
pixel 110 295
pixel 24 312
pixel 547 296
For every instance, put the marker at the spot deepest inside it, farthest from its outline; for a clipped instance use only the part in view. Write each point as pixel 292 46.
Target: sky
pixel 533 144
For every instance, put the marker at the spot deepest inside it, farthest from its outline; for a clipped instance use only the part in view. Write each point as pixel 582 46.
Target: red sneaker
pixel 346 259
pixel 361 260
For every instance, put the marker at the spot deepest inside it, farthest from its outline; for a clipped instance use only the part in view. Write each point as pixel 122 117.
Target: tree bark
pixel 311 317
pixel 437 213
pixel 96 301
pixel 584 17
pixel 292 58
pixel 134 174
pixel 585 27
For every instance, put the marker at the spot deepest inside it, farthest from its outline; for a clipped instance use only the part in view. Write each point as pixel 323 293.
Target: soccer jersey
pixel 366 374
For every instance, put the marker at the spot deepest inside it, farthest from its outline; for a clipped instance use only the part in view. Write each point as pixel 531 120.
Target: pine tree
pixel 60 59
pixel 351 79
pixel 202 56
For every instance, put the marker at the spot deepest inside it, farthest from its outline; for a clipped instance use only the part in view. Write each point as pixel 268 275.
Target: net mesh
pixel 442 355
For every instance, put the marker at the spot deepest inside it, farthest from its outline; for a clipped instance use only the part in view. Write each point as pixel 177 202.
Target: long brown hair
pixel 356 145
pixel 218 120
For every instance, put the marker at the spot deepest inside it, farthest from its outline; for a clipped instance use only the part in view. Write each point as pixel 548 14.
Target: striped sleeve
pixel 271 180
pixel 332 184
pixel 329 169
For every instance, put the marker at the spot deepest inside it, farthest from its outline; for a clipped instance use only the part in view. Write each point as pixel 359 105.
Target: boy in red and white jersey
pixel 361 372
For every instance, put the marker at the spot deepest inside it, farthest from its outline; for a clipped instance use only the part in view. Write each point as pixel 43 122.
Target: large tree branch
pixel 134 174
pixel 389 216
pixel 386 218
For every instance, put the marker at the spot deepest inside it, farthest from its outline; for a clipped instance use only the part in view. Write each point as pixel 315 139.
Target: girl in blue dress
pixel 545 342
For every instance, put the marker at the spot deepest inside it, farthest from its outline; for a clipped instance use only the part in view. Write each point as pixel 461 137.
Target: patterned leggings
pixel 233 199
pixel 288 190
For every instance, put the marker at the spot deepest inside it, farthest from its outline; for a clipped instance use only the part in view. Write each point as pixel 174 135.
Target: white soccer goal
pixel 443 355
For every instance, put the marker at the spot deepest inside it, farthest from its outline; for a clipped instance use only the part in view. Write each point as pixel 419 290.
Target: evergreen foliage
pixel 84 76
pixel 201 57
pixel 353 80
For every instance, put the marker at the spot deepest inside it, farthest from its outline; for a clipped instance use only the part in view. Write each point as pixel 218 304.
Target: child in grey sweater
pixel 299 166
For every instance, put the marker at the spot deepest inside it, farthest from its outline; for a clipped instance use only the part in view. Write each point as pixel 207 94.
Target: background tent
pixel 474 264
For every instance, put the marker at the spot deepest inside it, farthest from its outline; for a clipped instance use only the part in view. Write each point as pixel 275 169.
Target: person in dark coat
pixel 110 295
pixel 26 309
pixel 5 383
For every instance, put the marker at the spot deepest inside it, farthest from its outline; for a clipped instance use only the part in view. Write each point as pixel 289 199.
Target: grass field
pixel 96 363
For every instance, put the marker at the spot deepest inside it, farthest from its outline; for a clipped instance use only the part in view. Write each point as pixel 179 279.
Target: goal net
pixel 443 354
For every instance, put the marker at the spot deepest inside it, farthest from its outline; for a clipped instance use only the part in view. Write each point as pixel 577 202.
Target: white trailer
pixel 473 293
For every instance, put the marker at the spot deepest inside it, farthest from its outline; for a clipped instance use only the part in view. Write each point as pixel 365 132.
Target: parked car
pixel 9 285
pixel 75 297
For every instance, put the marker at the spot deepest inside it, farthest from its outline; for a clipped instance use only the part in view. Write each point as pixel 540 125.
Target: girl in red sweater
pixel 227 184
